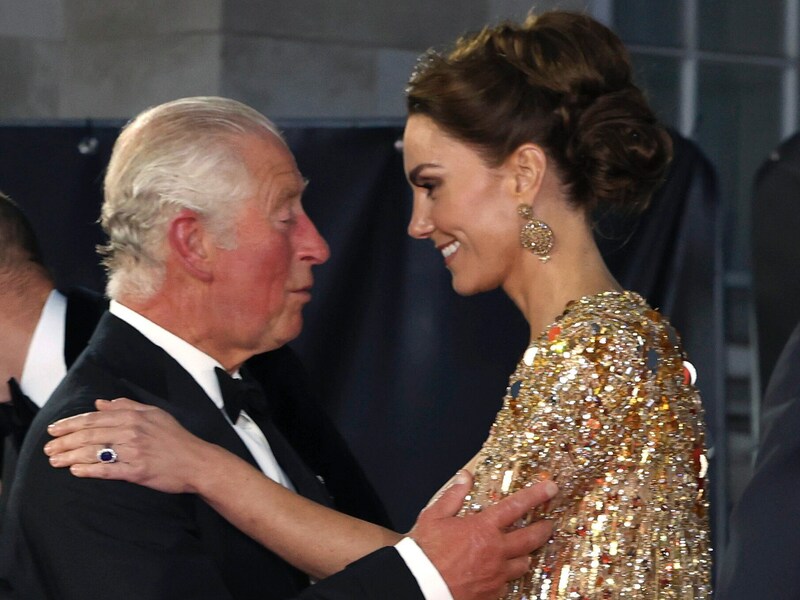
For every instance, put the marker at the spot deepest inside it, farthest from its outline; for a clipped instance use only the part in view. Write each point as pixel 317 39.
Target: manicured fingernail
pixel 550 488
pixel 55 461
pixel 460 478
pixel 47 448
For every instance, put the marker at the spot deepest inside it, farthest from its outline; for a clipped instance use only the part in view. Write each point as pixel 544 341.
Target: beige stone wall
pixel 288 58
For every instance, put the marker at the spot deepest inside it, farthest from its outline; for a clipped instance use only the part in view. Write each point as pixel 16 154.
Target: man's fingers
pixel 521 542
pixel 451 498
pixel 517 567
pixel 515 506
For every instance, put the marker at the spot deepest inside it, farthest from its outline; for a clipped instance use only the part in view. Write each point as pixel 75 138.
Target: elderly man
pixel 210 260
pixel 45 330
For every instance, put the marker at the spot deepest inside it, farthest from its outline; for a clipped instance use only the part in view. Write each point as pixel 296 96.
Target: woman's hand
pixel 152 448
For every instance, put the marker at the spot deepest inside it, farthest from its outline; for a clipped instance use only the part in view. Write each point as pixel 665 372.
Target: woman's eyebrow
pixel 414 175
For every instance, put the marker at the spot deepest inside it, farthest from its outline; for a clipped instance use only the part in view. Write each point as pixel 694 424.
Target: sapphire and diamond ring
pixel 107 455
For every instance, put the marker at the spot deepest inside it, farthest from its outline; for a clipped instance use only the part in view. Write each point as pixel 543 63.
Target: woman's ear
pixel 528 163
pixel 191 244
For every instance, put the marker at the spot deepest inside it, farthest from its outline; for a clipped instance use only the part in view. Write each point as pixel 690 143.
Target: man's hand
pixel 477 554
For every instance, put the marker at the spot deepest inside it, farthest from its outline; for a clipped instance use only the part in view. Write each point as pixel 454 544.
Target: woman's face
pixel 467 209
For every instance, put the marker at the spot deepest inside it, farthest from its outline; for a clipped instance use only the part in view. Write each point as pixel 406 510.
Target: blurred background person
pixel 43 332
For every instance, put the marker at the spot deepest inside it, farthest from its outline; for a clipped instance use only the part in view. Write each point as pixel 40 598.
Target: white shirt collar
pixel 45 366
pixel 196 362
pixel 201 367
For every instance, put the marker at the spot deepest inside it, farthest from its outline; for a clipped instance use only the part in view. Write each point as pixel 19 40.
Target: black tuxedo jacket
pixel 67 538
pixel 763 556
pixel 295 407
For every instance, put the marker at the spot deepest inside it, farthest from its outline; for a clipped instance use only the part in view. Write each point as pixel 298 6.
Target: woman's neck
pixel 541 290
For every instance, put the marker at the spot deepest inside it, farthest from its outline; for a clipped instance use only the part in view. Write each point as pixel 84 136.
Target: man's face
pixel 263 283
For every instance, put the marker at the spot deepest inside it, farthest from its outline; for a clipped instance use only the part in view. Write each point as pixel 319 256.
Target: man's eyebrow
pixel 295 190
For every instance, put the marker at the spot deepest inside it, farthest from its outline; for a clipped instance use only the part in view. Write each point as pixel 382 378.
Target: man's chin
pixel 286 334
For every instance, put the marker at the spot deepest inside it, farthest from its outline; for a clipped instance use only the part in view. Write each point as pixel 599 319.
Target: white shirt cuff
pixel 430 581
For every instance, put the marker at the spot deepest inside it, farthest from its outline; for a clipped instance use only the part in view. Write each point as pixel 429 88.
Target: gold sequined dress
pixel 602 403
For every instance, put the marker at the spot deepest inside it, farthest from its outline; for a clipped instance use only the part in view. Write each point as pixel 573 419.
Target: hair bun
pixel 618 151
pixel 563 81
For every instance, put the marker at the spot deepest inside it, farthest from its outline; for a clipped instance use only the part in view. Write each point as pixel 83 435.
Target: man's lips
pixel 303 291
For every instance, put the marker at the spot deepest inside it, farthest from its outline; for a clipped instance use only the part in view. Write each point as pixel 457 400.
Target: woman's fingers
pixel 108 415
pixel 124 424
pixel 86 455
pixel 121 404
pixel 118 470
pixel 130 441
pixel 114 434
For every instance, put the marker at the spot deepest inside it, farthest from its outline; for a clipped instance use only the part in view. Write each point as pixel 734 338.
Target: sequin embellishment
pixel 602 404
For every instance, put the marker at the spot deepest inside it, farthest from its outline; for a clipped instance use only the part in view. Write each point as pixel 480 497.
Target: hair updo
pixel 560 80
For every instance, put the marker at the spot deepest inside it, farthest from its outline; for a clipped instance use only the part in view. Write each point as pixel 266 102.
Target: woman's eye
pixel 429 187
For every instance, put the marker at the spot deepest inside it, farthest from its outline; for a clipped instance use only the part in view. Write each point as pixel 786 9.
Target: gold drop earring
pixel 535 235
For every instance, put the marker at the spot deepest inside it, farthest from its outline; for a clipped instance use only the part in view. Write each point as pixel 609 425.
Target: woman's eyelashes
pixel 428 186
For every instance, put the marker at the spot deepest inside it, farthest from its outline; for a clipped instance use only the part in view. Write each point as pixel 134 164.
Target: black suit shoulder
pixel 761 560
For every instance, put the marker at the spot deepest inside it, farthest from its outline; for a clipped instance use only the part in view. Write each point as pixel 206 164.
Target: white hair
pixel 179 155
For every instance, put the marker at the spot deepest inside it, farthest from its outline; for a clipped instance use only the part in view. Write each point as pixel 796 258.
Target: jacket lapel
pixel 156 378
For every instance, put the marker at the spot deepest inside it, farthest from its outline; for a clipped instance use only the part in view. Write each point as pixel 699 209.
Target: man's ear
pixel 191 244
pixel 528 164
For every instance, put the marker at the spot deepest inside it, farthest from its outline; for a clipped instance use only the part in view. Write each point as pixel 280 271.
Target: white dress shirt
pixel 201 367
pixel 44 366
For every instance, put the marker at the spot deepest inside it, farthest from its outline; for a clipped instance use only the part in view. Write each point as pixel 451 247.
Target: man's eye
pixel 286 218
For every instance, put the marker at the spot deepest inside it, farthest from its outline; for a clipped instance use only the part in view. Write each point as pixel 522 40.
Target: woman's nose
pixel 420 226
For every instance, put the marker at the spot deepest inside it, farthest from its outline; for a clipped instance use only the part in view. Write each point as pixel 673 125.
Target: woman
pixel 514 139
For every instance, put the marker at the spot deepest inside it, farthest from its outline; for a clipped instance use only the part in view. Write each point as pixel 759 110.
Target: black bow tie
pixel 248 395
pixel 240 394
pixel 16 416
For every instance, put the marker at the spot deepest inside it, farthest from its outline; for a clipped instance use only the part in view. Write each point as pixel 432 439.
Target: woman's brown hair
pixel 561 80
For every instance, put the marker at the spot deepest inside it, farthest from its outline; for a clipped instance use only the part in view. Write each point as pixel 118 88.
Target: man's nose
pixel 314 247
